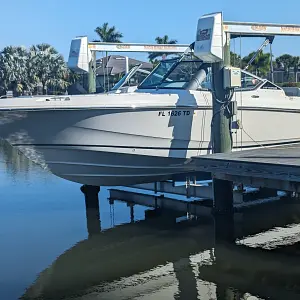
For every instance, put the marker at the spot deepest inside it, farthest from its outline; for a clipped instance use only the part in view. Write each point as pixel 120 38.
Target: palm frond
pixel 161 40
pixel 108 34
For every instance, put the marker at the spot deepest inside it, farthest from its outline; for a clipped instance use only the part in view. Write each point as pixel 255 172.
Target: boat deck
pixel 274 167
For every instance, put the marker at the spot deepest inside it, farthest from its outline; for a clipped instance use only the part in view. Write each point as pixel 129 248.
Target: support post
pixel 224 229
pixel 131 206
pixel 227 50
pixel 271 63
pixel 126 64
pixel 271 39
pixel 222 140
pixel 92 209
pixel 221 133
pixel 92 74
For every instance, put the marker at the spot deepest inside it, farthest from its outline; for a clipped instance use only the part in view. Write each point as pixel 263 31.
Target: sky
pixel 56 22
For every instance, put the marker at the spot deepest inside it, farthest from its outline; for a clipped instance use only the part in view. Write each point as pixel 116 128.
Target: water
pixel 51 248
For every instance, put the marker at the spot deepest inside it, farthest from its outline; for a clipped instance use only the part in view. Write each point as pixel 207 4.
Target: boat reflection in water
pixel 157 254
pixel 171 256
pixel 12 161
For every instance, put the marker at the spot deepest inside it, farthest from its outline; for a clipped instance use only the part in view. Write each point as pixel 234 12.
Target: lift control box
pixel 232 77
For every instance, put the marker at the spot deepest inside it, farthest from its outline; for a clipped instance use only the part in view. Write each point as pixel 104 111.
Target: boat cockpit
pixel 178 73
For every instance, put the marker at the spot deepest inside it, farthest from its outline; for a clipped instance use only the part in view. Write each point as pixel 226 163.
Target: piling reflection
pixel 164 256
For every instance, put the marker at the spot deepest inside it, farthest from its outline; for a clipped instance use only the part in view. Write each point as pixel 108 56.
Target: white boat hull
pixel 95 167
pixel 104 147
pixel 137 137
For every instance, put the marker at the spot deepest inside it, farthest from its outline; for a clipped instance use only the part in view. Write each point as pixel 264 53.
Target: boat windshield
pixel 173 73
pixel 126 78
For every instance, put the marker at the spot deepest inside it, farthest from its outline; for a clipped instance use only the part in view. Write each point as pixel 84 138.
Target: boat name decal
pixel 204 34
pixel 174 113
pixel 289 29
pixel 259 27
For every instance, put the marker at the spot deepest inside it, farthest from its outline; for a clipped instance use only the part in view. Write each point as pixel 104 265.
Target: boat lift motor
pixel 210 38
pixel 209 47
pixel 80 55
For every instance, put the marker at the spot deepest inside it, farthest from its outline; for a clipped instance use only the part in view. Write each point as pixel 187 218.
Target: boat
pixel 146 134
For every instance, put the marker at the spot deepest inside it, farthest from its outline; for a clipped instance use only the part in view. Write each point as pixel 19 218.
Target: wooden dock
pixel 274 167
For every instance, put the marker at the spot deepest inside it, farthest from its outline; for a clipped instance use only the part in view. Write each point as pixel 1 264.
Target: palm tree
pixel 108 34
pixel 261 64
pixel 13 70
pixel 48 67
pixel 161 40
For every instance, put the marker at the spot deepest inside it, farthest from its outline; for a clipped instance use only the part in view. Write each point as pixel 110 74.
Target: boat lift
pixel 82 58
pixel 217 49
pixel 82 55
pixel 266 30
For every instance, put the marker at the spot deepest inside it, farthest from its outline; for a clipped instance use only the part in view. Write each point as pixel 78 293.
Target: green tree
pixel 286 62
pixel 161 40
pixel 48 67
pixel 261 64
pixel 296 64
pixel 235 60
pixel 108 34
pixel 14 70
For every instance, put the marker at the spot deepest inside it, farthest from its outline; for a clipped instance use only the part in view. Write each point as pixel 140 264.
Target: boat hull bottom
pixel 122 181
pixel 97 167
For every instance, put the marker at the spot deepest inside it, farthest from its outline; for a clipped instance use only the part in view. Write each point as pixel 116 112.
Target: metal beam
pixel 244 29
pixel 276 184
pixel 137 47
pixel 198 191
pixel 197 207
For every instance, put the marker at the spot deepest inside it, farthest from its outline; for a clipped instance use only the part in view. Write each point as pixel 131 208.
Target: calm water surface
pixel 52 248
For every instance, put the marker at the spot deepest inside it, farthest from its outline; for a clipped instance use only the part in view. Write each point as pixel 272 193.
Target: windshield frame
pixel 180 81
pixel 177 61
pixel 126 78
pixel 261 81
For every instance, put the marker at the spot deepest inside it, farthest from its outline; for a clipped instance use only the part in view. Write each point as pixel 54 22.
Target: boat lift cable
pixel 235 94
pixel 267 41
pixel 203 125
pixel 241 94
pixel 225 105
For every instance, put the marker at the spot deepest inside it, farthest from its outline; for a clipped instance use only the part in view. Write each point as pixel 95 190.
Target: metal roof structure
pixel 116 64
pixel 137 47
pixel 254 29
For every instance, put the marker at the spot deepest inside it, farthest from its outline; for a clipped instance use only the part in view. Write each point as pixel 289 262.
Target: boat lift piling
pixel 92 74
pixel 221 132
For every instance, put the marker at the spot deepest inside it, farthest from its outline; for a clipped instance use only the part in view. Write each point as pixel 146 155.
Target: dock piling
pixel 221 133
pixel 223 197
pixel 92 208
